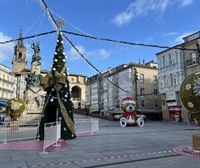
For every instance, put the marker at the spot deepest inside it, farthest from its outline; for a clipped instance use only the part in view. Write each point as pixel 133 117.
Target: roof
pixel 179 45
pixel 26 71
pixel 191 34
pixel 77 75
pixel 120 68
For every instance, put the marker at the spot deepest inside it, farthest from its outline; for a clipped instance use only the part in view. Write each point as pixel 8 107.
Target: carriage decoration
pixel 130 116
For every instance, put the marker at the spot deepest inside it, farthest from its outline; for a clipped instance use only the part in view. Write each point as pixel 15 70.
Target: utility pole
pixel 135 81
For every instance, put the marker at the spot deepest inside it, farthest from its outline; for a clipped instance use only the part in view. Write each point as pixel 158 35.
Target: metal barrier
pixel 52 133
pixel 18 130
pixel 85 126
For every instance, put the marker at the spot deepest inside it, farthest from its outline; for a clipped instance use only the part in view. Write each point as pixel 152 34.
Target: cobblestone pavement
pixel 115 147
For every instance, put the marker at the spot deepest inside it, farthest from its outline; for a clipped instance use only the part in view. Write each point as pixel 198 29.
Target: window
pixel 142 103
pixel 155 78
pixel 142 78
pixel 141 91
pixel 155 91
pixel 20 56
pixel 169 81
pixel 174 80
pixel 156 103
pixel 170 59
pixel 167 61
pixel 194 58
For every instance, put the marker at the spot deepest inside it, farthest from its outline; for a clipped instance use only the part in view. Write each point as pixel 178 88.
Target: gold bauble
pixel 15 107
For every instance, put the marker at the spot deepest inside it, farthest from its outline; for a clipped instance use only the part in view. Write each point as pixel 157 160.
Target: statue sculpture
pixel 36 57
pixel 34 93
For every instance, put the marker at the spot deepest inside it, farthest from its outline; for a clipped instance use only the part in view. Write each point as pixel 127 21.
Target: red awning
pixel 174 108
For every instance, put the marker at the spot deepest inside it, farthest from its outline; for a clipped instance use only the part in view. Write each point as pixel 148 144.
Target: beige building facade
pixel 103 98
pixel 149 102
pixel 78 89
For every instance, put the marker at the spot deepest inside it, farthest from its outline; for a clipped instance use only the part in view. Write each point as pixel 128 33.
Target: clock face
pixel 20 49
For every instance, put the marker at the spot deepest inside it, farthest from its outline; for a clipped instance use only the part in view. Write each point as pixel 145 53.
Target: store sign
pixel 171 104
pixel 170 96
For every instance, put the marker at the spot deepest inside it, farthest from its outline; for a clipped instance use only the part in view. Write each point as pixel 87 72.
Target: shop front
pixel 175 113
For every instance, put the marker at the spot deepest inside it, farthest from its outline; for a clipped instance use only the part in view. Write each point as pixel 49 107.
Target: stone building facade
pixel 174 66
pixel 103 98
pixel 78 89
pixel 171 73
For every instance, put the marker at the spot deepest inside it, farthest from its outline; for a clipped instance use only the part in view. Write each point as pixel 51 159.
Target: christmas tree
pixel 58 105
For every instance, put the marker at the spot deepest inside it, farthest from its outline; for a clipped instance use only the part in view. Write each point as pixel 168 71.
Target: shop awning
pixel 3 102
pixel 177 108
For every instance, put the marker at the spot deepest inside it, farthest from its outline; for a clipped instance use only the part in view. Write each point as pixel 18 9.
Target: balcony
pixel 191 62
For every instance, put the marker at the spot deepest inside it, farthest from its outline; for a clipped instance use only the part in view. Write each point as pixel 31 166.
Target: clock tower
pixel 19 58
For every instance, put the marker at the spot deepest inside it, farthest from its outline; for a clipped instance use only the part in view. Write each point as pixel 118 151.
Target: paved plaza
pixel 115 147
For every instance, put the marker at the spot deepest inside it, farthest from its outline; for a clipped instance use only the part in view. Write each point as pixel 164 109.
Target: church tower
pixel 19 58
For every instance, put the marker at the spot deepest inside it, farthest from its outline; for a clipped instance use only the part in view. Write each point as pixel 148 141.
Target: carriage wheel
pixel 140 122
pixel 123 122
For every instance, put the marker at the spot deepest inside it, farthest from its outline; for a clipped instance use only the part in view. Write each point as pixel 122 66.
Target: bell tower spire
pixel 19 58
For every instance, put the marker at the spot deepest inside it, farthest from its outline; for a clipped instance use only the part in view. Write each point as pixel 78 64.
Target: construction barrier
pixel 52 133
pixel 18 130
pixel 87 126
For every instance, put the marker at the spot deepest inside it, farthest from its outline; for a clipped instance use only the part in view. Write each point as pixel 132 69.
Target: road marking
pixel 104 158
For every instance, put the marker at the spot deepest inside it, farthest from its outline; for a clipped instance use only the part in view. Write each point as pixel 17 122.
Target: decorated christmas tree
pixel 58 106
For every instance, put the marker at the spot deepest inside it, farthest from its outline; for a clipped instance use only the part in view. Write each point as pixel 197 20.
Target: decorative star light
pixel 56 60
pixel 190 104
pixel 196 87
pixel 65 129
pixel 188 86
pixel 54 69
pixel 51 100
pixel 55 53
pixel 15 106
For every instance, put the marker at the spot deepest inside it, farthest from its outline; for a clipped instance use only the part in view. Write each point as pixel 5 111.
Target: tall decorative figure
pixel 190 96
pixel 58 105
pixel 34 93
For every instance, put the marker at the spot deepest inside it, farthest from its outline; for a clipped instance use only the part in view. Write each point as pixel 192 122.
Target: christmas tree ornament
pixel 190 95
pixel 15 108
pixel 59 108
